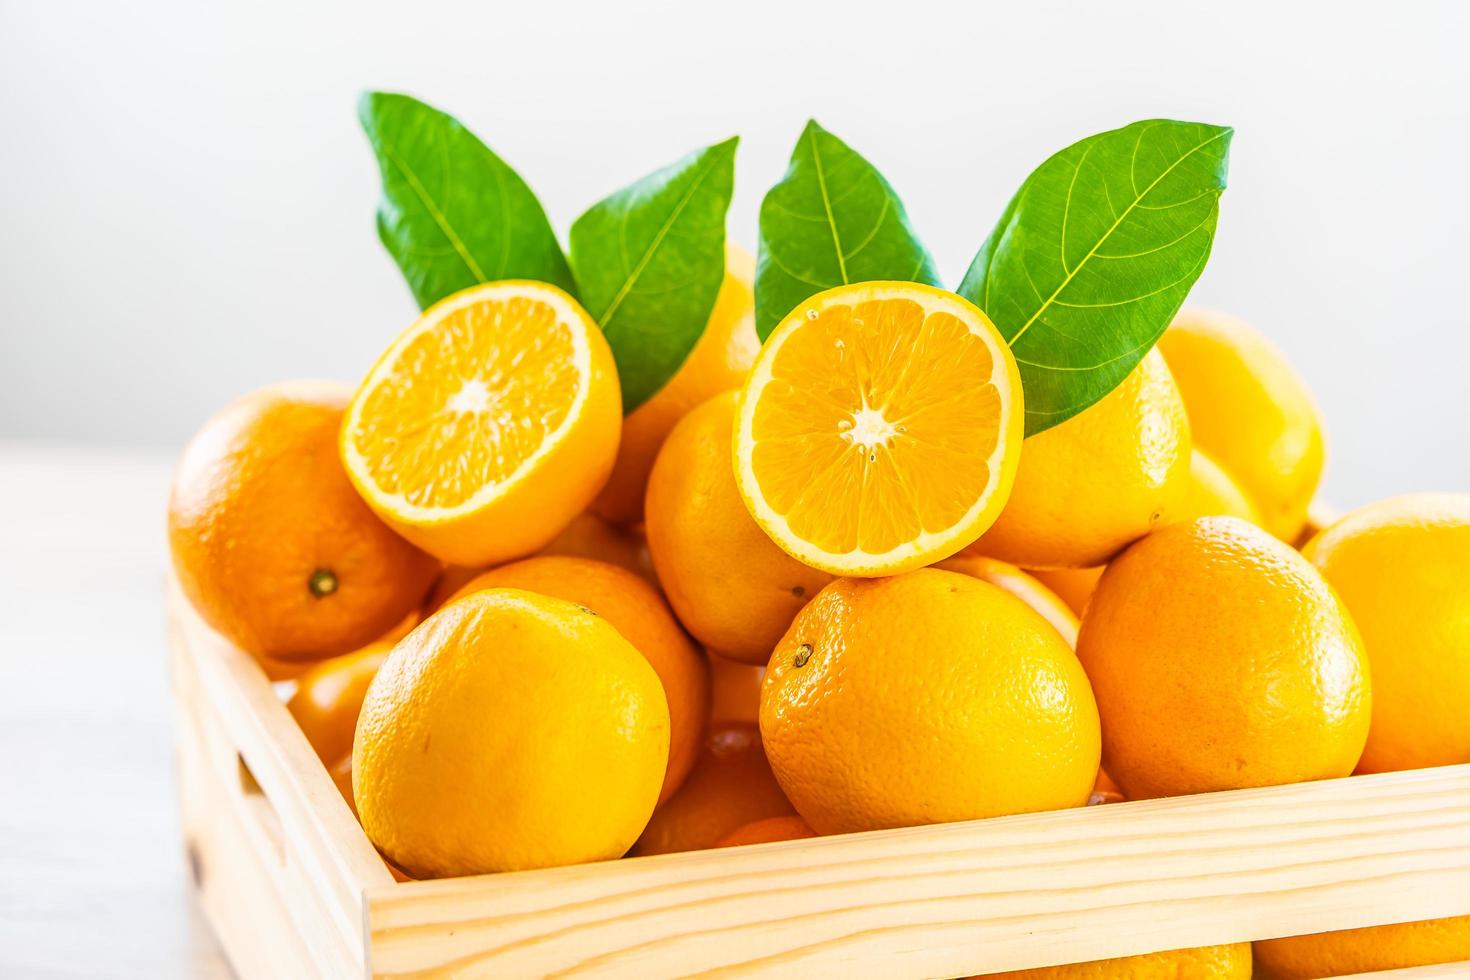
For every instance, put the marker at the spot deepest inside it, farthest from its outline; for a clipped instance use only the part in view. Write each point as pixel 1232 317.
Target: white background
pixel 187 200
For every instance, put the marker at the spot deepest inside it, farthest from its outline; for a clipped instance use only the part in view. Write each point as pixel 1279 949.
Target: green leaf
pixel 831 220
pixel 453 214
pixel 1094 256
pixel 649 261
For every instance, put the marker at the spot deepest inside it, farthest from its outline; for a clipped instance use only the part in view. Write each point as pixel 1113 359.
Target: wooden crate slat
pixel 997 894
pixel 326 844
pixel 930 901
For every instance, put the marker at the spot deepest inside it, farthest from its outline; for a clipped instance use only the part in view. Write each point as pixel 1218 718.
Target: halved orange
pixel 487 425
pixel 880 428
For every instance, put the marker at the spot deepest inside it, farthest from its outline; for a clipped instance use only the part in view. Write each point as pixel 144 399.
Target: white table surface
pixel 92 878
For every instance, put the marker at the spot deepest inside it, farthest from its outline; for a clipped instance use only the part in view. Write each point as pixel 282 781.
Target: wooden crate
pixel 294 889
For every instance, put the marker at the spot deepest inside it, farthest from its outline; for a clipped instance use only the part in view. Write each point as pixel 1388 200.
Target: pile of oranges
pixel 818 585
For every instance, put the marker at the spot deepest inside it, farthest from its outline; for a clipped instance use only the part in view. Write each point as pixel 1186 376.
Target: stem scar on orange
pixel 880 428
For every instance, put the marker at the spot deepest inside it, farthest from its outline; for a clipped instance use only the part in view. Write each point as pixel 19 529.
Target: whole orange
pixel 768 830
pixel 1088 487
pixel 730 786
pixel 1229 962
pixel 1368 950
pixel 510 731
pixel 1221 659
pixel 271 543
pixel 729 583
pixel 1251 411
pixel 1402 567
pixel 925 697
pixel 719 362
pixel 329 695
pixel 636 610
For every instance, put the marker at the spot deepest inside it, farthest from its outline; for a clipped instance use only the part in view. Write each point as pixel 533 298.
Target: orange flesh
pixel 469 402
pixel 897 414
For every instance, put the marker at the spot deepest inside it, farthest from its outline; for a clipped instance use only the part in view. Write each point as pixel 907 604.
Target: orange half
pixel 880 428
pixel 487 425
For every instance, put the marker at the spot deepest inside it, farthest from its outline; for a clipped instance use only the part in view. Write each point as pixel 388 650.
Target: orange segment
pixel 879 429
pixel 487 425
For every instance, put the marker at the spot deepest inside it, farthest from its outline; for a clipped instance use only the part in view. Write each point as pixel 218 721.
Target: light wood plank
pixel 963 898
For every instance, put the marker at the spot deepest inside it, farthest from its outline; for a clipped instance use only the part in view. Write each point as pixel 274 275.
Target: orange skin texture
pixel 639 613
pixel 1102 479
pixel 735 690
pixel 1221 659
pixel 1368 950
pixel 1402 567
pixel 768 830
pixel 730 585
pixel 1229 962
pixel 1251 411
pixel 260 504
pixel 719 362
pixel 1072 585
pixel 329 695
pixel 730 786
pixel 510 731
pixel 588 536
pixel 1214 492
pixel 938 697
pixel 1025 587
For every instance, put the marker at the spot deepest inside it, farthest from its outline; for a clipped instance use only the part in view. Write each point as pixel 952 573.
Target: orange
pixel 1072 585
pixel 639 613
pixel 735 690
pixel 922 698
pixel 488 424
pixel 509 731
pixel 730 786
pixel 329 695
pixel 730 586
pixel 1369 950
pixel 768 830
pixel 1250 411
pixel 1221 659
pixel 1024 587
pixel 269 540
pixel 1402 567
pixel 719 362
pixel 1105 790
pixel 1320 516
pixel 1214 493
pixel 589 536
pixel 1100 480
pixel 1228 962
pixel 879 428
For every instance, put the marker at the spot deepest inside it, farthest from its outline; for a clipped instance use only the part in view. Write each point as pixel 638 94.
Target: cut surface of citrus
pixel 487 425
pixel 880 428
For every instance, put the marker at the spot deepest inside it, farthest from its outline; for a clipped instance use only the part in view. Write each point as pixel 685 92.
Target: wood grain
pixel 965 898
pixel 264 774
